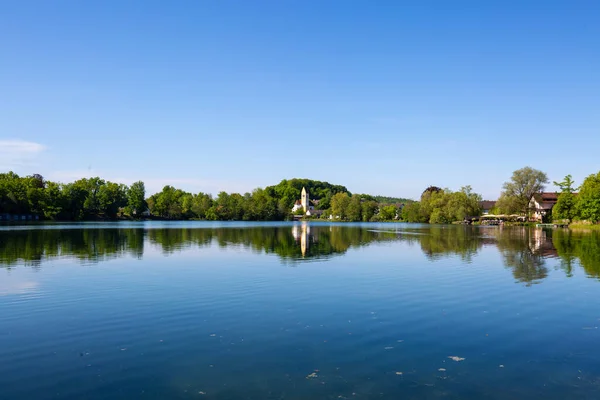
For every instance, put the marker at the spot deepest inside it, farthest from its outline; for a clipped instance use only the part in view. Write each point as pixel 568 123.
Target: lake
pixel 200 310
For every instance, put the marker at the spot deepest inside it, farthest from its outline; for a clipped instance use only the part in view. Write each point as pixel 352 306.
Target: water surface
pixel 296 311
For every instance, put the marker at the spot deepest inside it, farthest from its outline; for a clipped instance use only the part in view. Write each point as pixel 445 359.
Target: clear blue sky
pixel 385 97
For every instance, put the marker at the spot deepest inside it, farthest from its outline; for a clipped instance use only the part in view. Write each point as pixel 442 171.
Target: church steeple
pixel 305 200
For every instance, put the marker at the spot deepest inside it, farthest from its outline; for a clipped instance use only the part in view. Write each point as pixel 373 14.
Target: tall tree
pixel 369 208
pixel 339 205
pixel 111 197
pixel 388 213
pixel 524 183
pixel 354 212
pixel 566 185
pixel 411 212
pixel 91 205
pixel 136 198
pixel 200 204
pixel 565 204
pixel 588 201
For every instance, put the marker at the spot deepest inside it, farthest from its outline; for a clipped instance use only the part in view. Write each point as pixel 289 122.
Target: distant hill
pixel 392 200
pixel 288 190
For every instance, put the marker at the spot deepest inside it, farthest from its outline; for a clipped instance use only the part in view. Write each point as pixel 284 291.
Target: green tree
pixel 565 207
pixel 136 199
pixel 462 204
pixel 434 205
pixel 388 213
pixel 566 185
pixel 261 206
pixel 75 194
pixel 339 205
pixel 167 203
pixel 53 201
pixel 411 212
pixel 524 183
pixel 111 197
pixel 91 205
pixel 369 208
pixel 588 200
pixel 354 211
pixel 507 205
pixel 201 203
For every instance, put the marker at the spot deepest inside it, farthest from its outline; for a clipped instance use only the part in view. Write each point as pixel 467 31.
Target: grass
pixel 588 227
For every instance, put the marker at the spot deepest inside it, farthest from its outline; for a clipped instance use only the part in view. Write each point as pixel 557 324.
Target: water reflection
pixel 525 251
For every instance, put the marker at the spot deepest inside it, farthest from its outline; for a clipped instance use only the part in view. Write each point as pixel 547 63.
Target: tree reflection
pixel 441 240
pixel 579 246
pixel 32 247
pixel 525 251
pixel 522 250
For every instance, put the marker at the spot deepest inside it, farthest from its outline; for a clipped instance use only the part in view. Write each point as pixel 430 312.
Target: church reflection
pixel 301 234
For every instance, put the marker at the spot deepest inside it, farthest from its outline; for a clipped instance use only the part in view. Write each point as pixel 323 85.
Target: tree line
pixel 96 198
pixel 93 198
pixel 442 206
pixel 83 199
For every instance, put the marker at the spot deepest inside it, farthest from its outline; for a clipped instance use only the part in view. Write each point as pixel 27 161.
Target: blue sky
pixel 384 97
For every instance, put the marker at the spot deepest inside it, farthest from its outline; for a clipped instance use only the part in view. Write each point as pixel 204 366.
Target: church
pixel 304 204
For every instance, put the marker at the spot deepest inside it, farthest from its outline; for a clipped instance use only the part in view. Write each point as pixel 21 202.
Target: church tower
pixel 304 200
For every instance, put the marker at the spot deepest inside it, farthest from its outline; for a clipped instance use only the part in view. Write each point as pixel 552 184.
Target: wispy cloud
pixel 17 153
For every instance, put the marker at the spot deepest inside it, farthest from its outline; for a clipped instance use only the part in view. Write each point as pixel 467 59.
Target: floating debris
pixel 388 348
pixel 213 335
pixel 400 341
pixel 399 373
pixel 442 369
pixel 456 358
pixel 202 393
pixel 501 366
pixel 312 375
pixel 124 348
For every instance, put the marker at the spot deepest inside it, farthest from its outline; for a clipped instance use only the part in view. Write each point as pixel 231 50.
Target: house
pixel 297 206
pixel 314 213
pixel 541 204
pixel 486 206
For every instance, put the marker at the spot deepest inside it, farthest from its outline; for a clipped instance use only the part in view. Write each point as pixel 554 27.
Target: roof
pixel 298 203
pixel 546 196
pixel 487 204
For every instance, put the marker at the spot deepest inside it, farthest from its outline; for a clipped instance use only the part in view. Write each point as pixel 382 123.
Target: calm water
pixel 296 311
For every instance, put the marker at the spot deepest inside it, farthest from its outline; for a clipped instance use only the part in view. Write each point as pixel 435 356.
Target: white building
pixel 303 203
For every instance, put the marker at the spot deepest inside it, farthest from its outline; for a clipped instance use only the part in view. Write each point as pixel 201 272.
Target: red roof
pixel 487 204
pixel 549 196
